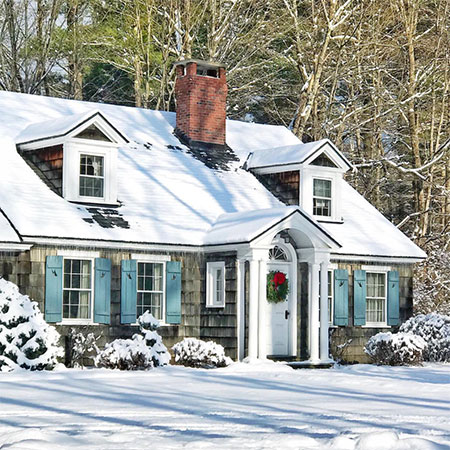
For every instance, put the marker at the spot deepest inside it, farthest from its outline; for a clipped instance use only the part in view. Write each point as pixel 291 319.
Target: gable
pixel 323 161
pixel 92 132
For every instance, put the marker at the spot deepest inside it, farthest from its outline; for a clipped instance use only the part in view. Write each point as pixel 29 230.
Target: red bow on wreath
pixel 278 279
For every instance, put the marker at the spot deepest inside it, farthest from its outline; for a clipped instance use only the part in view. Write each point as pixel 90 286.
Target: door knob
pixel 286 314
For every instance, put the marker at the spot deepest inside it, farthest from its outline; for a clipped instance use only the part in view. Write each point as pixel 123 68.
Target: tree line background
pixel 371 75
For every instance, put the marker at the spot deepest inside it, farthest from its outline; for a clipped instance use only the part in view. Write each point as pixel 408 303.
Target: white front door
pixel 277 317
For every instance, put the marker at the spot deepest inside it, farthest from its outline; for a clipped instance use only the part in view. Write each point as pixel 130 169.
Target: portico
pixel 272 329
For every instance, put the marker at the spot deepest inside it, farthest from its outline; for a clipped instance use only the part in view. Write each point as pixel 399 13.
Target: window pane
pixel 322 188
pixel 321 207
pixel 91 176
pixel 77 289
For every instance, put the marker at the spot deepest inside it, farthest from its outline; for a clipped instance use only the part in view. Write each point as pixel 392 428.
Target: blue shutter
pixel 340 297
pixel 393 312
pixel 173 292
pixel 359 297
pixel 128 292
pixel 102 291
pixel 53 288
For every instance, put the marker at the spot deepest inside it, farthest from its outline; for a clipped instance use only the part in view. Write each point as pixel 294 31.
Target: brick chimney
pixel 201 96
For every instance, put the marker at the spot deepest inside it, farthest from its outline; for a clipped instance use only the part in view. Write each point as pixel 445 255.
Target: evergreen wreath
pixel 277 287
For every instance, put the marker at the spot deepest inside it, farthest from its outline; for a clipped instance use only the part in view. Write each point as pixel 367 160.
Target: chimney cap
pixel 200 62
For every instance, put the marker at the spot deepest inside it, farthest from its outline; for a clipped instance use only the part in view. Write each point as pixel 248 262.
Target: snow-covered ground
pixel 244 406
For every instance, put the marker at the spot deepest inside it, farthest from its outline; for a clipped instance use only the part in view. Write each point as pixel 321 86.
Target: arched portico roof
pixel 258 227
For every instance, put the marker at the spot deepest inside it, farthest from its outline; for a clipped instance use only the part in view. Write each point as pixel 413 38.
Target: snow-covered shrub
pixel 142 351
pixel 191 352
pixel 434 329
pixel 398 349
pixel 80 347
pixel 26 340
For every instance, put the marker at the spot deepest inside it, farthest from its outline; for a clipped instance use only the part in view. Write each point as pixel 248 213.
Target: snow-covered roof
pixel 248 225
pixel 296 153
pixel 365 231
pixel 56 127
pixel 167 195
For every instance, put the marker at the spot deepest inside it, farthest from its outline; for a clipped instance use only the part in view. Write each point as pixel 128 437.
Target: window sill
pixel 215 306
pixel 376 325
pixel 322 219
pixel 77 322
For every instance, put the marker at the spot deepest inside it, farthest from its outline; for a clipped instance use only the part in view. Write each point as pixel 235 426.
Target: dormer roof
pixel 53 131
pixel 298 154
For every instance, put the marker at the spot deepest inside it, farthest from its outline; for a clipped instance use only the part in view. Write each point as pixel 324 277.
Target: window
pixel 91 176
pixel 322 197
pixel 93 133
pixel 77 289
pixel 376 298
pixel 150 289
pixel 324 161
pixel 215 285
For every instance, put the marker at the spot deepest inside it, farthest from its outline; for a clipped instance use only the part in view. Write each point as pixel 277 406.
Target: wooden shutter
pixel 102 291
pixel 340 297
pixel 393 300
pixel 128 292
pixel 359 297
pixel 173 292
pixel 53 288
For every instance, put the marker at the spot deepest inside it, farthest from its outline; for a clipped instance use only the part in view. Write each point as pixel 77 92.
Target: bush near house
pixel 142 351
pixel 191 352
pixel 434 329
pixel 400 349
pixel 26 340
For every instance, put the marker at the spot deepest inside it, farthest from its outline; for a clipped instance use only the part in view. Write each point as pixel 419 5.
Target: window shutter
pixel 359 297
pixel 102 291
pixel 340 297
pixel 53 288
pixel 128 292
pixel 393 316
pixel 173 292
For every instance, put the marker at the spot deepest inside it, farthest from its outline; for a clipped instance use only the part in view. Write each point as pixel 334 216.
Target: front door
pixel 277 317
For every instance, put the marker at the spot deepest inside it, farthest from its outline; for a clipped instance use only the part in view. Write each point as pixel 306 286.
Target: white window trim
pixel 211 270
pixel 384 270
pixel 74 255
pixel 142 259
pixel 150 258
pixel 73 149
pixel 331 198
pixel 79 254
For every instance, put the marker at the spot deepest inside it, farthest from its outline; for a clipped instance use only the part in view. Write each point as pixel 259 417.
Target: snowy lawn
pixel 245 406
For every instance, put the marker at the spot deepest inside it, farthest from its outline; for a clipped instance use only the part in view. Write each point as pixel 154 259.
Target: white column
pixel 314 313
pixel 253 309
pixel 324 353
pixel 240 323
pixel 262 349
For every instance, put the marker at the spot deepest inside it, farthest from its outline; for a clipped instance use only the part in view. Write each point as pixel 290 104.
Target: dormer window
pixel 91 176
pixel 78 158
pixel 322 197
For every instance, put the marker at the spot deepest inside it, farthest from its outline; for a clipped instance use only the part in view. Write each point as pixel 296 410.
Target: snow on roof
pixel 290 154
pixel 52 128
pixel 366 231
pixel 167 195
pixel 7 233
pixel 248 225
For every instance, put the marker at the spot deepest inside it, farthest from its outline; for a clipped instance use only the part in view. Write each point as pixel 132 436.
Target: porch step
pixel 309 365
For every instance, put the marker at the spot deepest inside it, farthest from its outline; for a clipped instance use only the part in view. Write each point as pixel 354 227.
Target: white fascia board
pixel 302 223
pixel 14 247
pixel 276 169
pixel 43 143
pixel 104 126
pixel 374 258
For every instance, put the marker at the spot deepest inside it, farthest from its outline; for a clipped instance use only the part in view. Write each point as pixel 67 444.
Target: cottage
pixel 223 230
